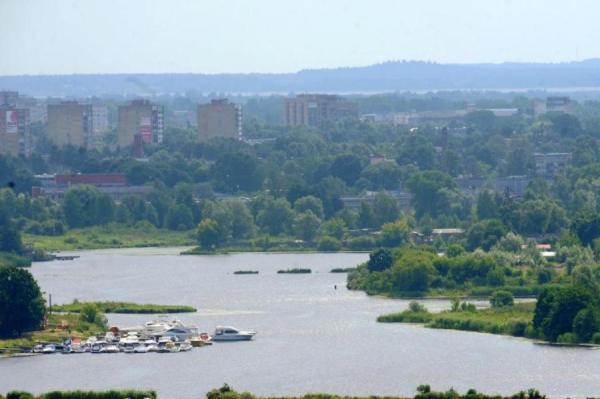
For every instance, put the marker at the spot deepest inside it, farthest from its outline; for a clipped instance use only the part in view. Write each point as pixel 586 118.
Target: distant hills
pixel 385 77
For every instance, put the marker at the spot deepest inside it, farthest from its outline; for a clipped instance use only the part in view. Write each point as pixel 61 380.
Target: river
pixel 311 337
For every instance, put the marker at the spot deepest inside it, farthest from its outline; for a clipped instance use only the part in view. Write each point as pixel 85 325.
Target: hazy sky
pixel 212 36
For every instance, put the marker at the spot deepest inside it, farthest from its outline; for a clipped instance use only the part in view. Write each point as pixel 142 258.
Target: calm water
pixel 310 336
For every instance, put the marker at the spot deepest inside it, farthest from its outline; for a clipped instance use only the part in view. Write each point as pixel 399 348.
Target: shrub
pixel 567 338
pixel 416 307
pixel 501 299
pixel 327 243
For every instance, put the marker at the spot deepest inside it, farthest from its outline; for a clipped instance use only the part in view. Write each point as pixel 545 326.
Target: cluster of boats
pixel 154 336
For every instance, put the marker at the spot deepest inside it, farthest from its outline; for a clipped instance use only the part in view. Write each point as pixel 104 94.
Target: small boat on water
pixel 201 340
pixel 232 334
pixel 48 349
pixel 185 346
pixel 39 348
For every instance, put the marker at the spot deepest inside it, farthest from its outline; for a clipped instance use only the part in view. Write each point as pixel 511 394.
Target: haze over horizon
pixel 118 36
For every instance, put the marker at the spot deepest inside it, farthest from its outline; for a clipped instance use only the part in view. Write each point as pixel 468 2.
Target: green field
pixel 111 236
pixel 124 307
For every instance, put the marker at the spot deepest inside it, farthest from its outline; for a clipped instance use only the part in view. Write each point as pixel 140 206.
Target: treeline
pixel 423 392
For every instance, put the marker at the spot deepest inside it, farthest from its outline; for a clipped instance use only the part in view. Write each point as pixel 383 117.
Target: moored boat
pixel 232 334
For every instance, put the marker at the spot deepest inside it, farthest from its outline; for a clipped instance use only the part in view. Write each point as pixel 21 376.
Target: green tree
pixel 306 225
pixel 309 203
pixel 237 171
pixel 380 260
pixel 242 223
pixel 586 323
pixel 426 188
pixel 10 237
pixel 327 243
pixel 487 208
pixel 385 209
pixel 485 234
pixel 346 167
pixel 586 226
pixel 21 303
pixel 208 234
pixel 276 217
pixel 334 227
pixel 179 217
pixel 395 234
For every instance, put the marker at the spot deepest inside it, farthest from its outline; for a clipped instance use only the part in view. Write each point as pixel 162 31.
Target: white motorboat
pixel 152 347
pixel 48 349
pixel 201 340
pixel 232 334
pixel 39 348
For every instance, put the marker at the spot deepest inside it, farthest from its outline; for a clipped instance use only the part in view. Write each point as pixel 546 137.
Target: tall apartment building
pixel 554 104
pixel 140 117
pixel 70 123
pixel 552 164
pixel 15 132
pixel 219 118
pixel 315 109
pixel 99 120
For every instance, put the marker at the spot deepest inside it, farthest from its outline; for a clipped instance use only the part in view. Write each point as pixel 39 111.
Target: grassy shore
pixel 111 236
pixel 124 307
pixel 511 320
pixel 59 328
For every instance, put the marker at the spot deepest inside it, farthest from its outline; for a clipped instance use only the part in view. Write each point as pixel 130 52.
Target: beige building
pixel 315 109
pixel 99 120
pixel 219 118
pixel 140 117
pixel 15 132
pixel 70 123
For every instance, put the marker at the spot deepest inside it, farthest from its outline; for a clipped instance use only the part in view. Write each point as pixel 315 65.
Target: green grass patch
pixel 10 259
pixel 511 320
pixel 124 307
pixel 111 236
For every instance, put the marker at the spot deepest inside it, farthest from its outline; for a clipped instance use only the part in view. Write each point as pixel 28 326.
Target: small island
pixel 342 270
pixel 245 272
pixel 295 270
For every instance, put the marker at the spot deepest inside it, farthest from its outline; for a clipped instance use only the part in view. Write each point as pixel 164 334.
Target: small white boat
pixel 232 334
pixel 48 349
pixel 141 349
pixel 110 349
pixel 201 340
pixel 97 346
pixel 39 348
pixel 185 346
pixel 152 347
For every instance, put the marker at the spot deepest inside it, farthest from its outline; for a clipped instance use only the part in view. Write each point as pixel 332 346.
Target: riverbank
pixel 422 392
pixel 123 307
pixel 111 236
pixel 513 320
pixel 58 328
